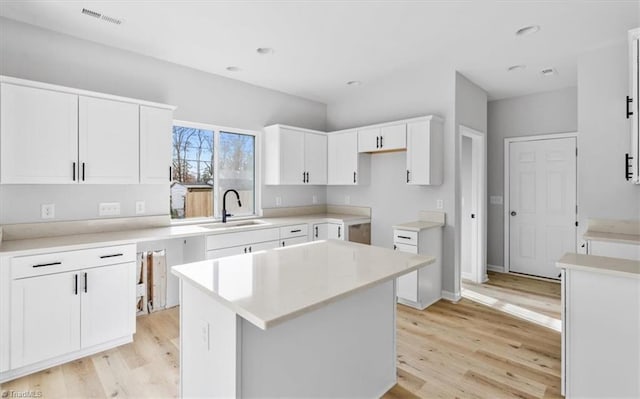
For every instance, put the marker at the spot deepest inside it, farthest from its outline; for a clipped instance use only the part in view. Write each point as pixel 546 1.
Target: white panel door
pixel 39 135
pixel 369 140
pixel 45 317
pixel 108 137
pixel 542 201
pixel 315 158
pixel 108 303
pixel 342 158
pixel 292 153
pixel 393 137
pixel 156 125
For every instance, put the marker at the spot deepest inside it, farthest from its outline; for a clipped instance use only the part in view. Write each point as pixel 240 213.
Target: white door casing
pixel 542 204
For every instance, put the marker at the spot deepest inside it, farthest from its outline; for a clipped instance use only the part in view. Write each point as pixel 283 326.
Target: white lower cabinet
pixel 293 241
pixel 423 287
pixel 242 249
pixel 328 231
pixel 67 305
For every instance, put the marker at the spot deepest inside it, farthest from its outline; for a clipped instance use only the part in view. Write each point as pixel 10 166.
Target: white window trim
pixel 257 168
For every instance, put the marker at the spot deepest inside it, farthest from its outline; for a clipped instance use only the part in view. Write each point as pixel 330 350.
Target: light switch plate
pixel 47 211
pixel 439 204
pixel 495 200
pixel 109 209
pixel 140 207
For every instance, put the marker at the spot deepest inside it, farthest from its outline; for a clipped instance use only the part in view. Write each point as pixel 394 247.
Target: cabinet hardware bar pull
pixel 405 237
pixel 354 177
pixel 381 145
pixel 83 171
pixel 74 171
pixel 377 141
pixel 627 167
pixel 170 174
pixel 249 249
pixel 85 283
pixel 629 101
pixel 245 250
pixel 283 243
pixel 75 284
pixel 47 264
pixel 407 175
pixel 339 229
pixel 307 177
pixel 296 231
pixel 110 256
pixel 303 177
pixel 316 231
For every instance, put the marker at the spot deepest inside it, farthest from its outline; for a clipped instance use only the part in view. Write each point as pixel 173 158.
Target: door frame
pixel 479 177
pixel 506 206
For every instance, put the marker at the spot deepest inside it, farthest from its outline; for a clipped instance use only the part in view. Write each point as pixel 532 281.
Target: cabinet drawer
pixel 405 237
pixel 294 231
pixel 56 262
pixel 218 241
pixel 412 249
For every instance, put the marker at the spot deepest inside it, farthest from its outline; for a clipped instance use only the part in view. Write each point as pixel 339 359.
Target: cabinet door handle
pixel 47 264
pixel 381 145
pixel 283 243
pixel 377 141
pixel 170 174
pixel 405 237
pixel 408 175
pixel 628 174
pixel 354 177
pixel 304 177
pixel 83 171
pixel 307 177
pixel 75 284
pixel 629 101
pixel 245 250
pixel 74 171
pixel 110 256
pixel 316 228
pixel 250 249
pixel 339 231
pixel 85 283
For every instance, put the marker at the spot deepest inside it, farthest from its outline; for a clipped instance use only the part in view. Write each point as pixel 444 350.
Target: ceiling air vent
pixel 102 17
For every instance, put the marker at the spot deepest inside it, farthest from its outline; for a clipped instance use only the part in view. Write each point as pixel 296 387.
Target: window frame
pixel 257 169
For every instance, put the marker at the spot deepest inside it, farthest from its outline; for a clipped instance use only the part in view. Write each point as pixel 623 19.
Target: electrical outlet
pixel 439 204
pixel 204 334
pixel 347 199
pixel 314 199
pixel 47 211
pixel 278 201
pixel 109 209
pixel 140 207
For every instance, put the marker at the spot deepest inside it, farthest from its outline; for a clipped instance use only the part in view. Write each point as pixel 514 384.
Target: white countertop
pixel 417 225
pixel 269 287
pixel 600 264
pixel 83 241
pixel 612 237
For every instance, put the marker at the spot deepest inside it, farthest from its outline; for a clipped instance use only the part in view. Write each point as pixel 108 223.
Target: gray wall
pixel 604 137
pixel 541 113
pixel 32 53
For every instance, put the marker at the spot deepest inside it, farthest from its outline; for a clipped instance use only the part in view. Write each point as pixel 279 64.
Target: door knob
pixel 513 213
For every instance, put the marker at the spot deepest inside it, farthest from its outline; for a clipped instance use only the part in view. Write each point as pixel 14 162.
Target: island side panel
pixel 345 349
pixel 209 346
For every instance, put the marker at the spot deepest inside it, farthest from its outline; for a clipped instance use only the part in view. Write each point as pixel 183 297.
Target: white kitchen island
pixel 312 320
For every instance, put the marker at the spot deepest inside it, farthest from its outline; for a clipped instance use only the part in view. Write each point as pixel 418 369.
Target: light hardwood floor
pixel 463 350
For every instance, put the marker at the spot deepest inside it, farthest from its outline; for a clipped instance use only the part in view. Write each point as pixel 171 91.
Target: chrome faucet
pixel 224 204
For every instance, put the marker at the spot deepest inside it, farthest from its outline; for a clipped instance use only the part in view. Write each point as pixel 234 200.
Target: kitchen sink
pixel 239 223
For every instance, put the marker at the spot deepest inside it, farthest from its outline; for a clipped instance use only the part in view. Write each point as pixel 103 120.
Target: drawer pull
pixel 110 256
pixel 296 231
pixel 405 237
pixel 48 264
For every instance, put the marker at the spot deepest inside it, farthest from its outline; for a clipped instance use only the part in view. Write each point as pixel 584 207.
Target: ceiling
pixel 320 45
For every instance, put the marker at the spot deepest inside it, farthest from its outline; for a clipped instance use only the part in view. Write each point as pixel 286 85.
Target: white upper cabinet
pixel 39 136
pixel 383 138
pixel 424 151
pixel 345 165
pixel 295 156
pixel 108 141
pixel 155 145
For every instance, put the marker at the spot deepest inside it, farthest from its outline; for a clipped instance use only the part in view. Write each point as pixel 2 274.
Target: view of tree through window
pixel 203 171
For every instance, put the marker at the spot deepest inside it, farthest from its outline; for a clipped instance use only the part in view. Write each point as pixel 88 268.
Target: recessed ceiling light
pixel 548 72
pixel 516 67
pixel 264 50
pixel 233 69
pixel 354 83
pixel 527 30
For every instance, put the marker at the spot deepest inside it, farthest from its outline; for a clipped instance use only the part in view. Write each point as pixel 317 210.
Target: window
pixel 207 161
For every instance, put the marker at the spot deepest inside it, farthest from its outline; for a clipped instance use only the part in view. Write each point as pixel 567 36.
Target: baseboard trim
pixel 496 268
pixel 450 296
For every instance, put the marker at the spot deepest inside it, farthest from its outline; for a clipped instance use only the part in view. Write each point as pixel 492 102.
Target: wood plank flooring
pixel 463 350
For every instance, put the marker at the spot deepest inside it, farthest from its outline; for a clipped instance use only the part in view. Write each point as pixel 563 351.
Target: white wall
pixel 540 113
pixel 33 53
pixel 604 137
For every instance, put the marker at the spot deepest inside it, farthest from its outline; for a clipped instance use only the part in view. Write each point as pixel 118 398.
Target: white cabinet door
pixel 263 246
pixel 292 152
pixel 369 140
pixel 320 231
pixel 156 126
pixel 39 135
pixel 108 139
pixel 424 152
pixel 315 158
pixel 342 165
pixel 293 241
pixel 108 303
pixel 45 317
pixel 407 285
pixel 614 249
pixel 335 231
pixel 393 137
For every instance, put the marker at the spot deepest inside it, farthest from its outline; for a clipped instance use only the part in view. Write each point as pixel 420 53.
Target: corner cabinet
pixel 57 135
pixel 295 156
pixel 328 231
pixel 345 165
pixel 424 151
pixel 632 159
